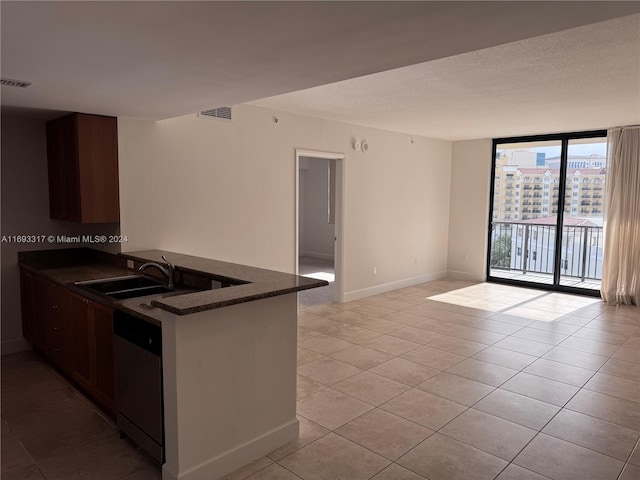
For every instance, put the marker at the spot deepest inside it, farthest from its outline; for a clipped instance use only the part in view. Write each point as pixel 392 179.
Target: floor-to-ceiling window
pixel 546 214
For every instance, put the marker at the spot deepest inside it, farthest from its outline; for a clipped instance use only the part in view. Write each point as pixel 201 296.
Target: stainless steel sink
pixel 139 292
pixel 120 288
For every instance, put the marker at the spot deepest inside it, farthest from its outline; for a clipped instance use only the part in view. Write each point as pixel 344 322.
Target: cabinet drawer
pixel 74 333
pixel 62 356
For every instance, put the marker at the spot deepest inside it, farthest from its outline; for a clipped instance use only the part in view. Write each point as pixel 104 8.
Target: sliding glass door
pixel 583 219
pixel 545 225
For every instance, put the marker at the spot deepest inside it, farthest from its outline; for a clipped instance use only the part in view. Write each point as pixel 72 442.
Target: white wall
pixel 316 234
pixel 25 211
pixel 217 418
pixel 470 189
pixel 227 191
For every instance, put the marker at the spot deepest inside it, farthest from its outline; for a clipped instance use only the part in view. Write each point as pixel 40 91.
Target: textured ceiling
pixel 163 59
pixel 578 79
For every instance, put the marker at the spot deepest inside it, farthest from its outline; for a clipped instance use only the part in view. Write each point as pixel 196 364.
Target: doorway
pixel 546 220
pixel 319 217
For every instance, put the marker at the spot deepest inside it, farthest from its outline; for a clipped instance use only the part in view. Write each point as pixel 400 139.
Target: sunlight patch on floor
pixel 517 301
pixel 552 306
pixel 486 296
pixel 327 276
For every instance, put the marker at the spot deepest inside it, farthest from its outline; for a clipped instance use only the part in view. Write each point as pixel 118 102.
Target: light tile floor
pixel 442 381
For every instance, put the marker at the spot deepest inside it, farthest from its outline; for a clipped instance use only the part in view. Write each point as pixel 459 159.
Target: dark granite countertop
pixel 258 283
pixel 247 283
pixel 79 273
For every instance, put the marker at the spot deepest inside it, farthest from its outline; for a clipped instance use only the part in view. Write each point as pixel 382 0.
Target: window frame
pixel 564 138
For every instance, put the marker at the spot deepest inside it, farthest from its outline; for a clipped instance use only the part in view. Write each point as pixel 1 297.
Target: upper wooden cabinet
pixel 82 152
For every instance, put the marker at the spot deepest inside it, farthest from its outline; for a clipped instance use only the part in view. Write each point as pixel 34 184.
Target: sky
pixel 575 149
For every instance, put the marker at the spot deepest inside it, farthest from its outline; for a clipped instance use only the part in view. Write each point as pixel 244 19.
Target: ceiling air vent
pixel 223 113
pixel 8 82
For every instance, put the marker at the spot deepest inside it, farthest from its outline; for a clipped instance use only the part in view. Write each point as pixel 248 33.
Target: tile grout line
pixel 467 357
pixel 549 421
pixel 627 461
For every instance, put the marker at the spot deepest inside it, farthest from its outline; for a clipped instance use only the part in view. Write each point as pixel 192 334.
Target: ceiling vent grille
pixel 223 113
pixel 8 82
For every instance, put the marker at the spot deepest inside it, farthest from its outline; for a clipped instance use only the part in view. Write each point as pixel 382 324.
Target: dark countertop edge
pixel 138 314
pixel 200 305
pixel 244 275
pixel 234 301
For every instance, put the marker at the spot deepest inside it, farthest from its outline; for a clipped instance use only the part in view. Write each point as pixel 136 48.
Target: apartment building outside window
pixel 552 233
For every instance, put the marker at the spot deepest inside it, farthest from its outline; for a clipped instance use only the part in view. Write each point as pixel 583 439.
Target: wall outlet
pixel 465 257
pixel 130 264
pixel 375 270
pixel 415 260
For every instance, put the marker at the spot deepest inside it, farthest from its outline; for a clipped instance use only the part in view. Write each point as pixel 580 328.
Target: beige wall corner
pixel 469 211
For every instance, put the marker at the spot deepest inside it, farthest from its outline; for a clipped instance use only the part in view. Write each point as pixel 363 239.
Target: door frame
pixel 339 255
pixel 564 138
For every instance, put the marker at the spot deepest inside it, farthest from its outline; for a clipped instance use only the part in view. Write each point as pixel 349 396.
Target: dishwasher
pixel 137 347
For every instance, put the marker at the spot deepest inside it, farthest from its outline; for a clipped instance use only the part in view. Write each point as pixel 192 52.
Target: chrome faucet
pixel 168 269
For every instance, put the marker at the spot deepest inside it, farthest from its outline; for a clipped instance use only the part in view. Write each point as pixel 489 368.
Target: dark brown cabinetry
pixel 104 386
pixel 93 347
pixel 82 152
pixel 39 315
pixel 28 302
pixel 82 365
pixel 57 326
pixel 73 332
pixel 46 320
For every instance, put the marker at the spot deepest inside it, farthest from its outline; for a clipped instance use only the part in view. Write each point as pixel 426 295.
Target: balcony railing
pixel 530 247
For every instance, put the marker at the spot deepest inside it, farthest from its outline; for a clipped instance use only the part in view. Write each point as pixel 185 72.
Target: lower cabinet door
pixel 40 314
pixel 104 373
pixel 28 302
pixel 74 332
pixel 82 333
pixel 59 326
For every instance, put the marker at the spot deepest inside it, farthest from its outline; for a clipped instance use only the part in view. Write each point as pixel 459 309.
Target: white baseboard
pixel 227 462
pixel 387 287
pixel 322 256
pixel 472 277
pixel 14 345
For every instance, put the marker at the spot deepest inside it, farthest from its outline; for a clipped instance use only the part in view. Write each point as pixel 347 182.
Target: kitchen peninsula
pixel 228 354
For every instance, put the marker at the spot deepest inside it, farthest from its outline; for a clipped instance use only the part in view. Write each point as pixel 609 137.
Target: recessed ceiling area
pixel 580 79
pixel 158 60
